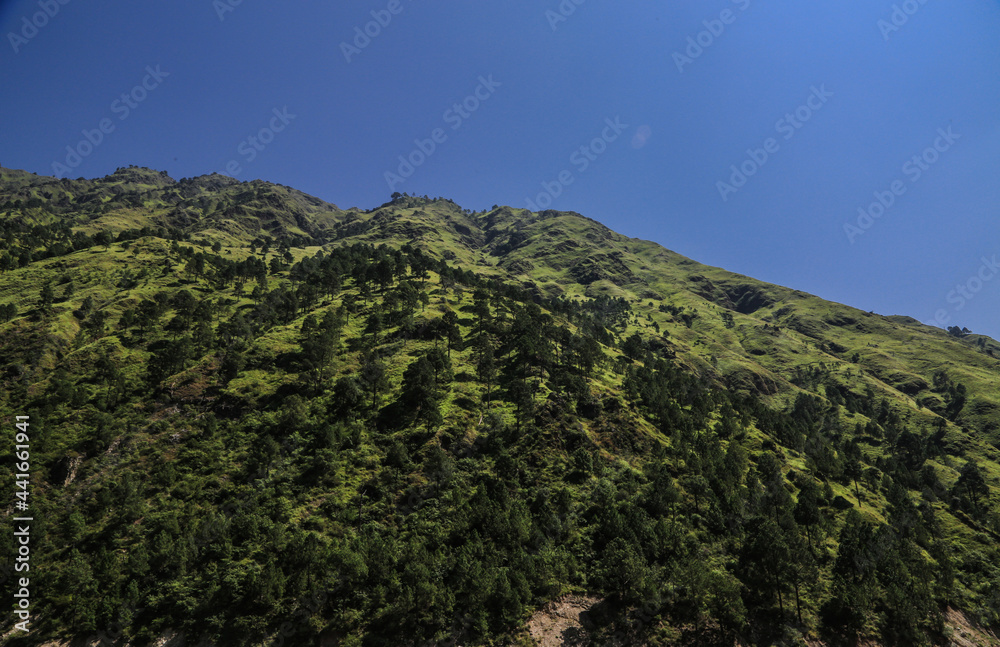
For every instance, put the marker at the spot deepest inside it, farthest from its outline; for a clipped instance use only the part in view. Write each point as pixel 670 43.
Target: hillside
pixel 258 418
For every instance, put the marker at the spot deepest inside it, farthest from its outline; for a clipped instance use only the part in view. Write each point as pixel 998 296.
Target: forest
pixel 278 444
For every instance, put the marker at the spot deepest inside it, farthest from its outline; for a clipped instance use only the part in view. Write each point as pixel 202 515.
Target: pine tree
pixel 453 334
pixel 420 392
pixel 374 378
pixel 45 297
pixel 972 484
pixel 486 367
pixel 807 511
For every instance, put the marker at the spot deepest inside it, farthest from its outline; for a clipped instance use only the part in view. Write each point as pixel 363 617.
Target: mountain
pixel 256 417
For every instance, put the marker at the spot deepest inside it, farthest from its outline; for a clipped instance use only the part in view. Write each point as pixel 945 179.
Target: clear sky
pixel 853 95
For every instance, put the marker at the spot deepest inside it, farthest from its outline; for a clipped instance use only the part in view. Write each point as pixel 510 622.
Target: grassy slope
pixel 774 330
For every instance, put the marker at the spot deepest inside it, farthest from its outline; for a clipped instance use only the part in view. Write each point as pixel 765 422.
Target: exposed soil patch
pixel 558 623
pixel 966 634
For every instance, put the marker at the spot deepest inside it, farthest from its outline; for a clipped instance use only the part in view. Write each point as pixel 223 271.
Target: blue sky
pixel 847 93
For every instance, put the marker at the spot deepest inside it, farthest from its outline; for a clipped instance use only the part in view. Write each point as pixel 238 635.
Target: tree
pixel 374 378
pixel 7 312
pixel 486 367
pixel 107 371
pixel 196 265
pixel 452 334
pixel 692 578
pixel 807 507
pixel 854 573
pixel 699 488
pixel 46 296
pixel 583 462
pixel 441 364
pixel 178 324
pixel 956 398
pixel 775 497
pixel 955 331
pixel 522 395
pixel 95 323
pixel 203 335
pixel 765 558
pixel 633 347
pixel 348 395
pixel 801 568
pixel 972 484
pixel 420 392
pixel 624 570
pixel 319 343
pixel 663 495
pixel 169 359
pixel 104 238
pixel 183 302
pixel 148 315
pixel 587 353
pixel 853 468
pixel 232 363
pixel 374 326
pixel 79 579
pixel 481 308
pixel 383 274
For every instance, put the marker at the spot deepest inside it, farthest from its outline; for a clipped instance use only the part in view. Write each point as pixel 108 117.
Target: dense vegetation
pixel 332 428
